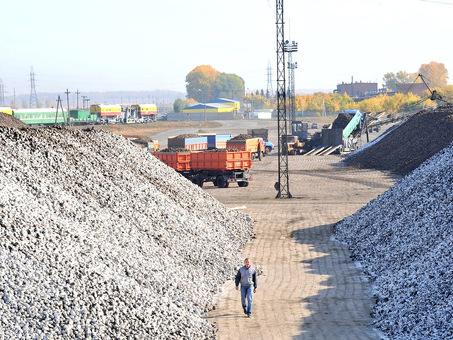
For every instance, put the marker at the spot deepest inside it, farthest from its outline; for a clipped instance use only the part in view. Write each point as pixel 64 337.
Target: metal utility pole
pixel 291 47
pixel 67 100
pixel 83 102
pixel 77 93
pixel 270 90
pixel 33 97
pixel 59 104
pixel 282 186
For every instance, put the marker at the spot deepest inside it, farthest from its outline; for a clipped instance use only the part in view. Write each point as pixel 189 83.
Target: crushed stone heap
pixel 404 242
pixel 11 121
pixel 403 149
pixel 100 240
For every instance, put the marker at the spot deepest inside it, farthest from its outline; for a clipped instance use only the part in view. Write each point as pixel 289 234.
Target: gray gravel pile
pixel 404 242
pixel 100 240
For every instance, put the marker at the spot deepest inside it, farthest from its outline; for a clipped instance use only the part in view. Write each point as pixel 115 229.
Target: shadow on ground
pixel 342 309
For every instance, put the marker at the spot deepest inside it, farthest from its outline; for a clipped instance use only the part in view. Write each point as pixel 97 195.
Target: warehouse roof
pixel 207 106
pixel 223 100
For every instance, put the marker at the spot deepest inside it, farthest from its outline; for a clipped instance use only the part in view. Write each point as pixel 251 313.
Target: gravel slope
pixel 414 141
pixel 404 241
pixel 98 239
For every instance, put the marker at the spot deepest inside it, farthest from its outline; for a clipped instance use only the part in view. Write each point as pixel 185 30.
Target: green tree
pixel 401 77
pixel 436 75
pixel 228 86
pixel 179 105
pixel 447 93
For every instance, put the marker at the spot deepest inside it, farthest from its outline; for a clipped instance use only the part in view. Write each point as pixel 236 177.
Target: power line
pixel 33 96
pixel 270 90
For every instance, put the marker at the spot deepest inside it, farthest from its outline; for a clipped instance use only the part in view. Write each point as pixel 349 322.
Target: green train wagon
pixel 82 116
pixel 44 116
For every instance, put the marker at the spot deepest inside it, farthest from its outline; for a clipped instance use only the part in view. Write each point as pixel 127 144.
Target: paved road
pixel 309 288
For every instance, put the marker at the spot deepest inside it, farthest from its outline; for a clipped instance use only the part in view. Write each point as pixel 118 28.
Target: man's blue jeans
pixel 246 298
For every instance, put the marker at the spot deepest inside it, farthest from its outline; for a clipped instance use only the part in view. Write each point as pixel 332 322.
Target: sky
pixel 145 45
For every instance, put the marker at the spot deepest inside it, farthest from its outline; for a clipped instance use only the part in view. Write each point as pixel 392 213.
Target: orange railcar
pixel 221 160
pixel 180 161
pixel 218 167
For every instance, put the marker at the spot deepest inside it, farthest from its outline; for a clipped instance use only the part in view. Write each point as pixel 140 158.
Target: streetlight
pixel 204 107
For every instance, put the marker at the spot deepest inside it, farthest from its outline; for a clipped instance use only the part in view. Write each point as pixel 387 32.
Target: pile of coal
pixel 403 149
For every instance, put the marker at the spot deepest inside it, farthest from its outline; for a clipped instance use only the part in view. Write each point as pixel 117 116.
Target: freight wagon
pixel 219 167
pixel 188 142
pixel 82 117
pixel 217 141
pixel 98 114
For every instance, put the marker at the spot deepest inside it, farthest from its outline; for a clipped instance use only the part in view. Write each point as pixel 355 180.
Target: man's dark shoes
pixel 249 315
pixel 245 311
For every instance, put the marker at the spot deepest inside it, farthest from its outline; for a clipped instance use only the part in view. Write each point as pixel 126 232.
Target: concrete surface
pixel 309 288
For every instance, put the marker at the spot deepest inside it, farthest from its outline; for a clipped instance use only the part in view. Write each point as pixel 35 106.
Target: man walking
pixel 246 276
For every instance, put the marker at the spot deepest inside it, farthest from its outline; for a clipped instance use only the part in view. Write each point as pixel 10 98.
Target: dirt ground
pixel 309 288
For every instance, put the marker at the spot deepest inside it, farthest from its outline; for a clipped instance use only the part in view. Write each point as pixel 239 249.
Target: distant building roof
pixel 223 100
pixel 207 106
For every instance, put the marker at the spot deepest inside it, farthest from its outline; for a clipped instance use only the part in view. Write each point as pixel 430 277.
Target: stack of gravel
pixel 11 121
pixel 342 120
pixel 405 148
pixel 99 239
pixel 404 242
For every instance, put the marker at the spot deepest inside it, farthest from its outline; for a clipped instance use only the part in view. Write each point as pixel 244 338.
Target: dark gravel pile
pixel 242 136
pixel 10 121
pixel 405 148
pixel 174 150
pixel 342 120
pixel 187 135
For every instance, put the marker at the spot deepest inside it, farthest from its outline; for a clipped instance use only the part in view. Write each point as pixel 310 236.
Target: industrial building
pixel 358 89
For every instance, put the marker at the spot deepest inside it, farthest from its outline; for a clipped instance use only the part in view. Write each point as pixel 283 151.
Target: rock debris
pixel 100 240
pixel 404 238
pixel 403 149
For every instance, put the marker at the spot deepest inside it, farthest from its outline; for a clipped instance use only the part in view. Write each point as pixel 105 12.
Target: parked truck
pixel 264 134
pixel 221 167
pixel 245 143
pixel 344 132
